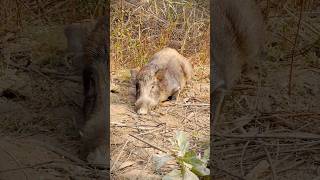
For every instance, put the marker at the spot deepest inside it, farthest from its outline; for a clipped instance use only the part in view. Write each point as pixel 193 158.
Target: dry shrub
pixel 140 28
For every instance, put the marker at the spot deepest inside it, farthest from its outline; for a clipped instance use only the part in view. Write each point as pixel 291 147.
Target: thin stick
pixel 203 104
pixel 158 148
pixel 242 156
pixel 26 167
pixel 274 175
pixel 294 48
pixel 307 136
pixel 59 151
pixel 151 131
pixel 228 173
pixel 16 160
pixel 294 164
pixel 118 157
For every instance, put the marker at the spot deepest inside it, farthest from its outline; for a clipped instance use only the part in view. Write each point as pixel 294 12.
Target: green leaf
pixel 173 175
pixel 188 175
pixel 161 160
pixel 197 165
pixel 190 157
pixel 206 156
pixel 183 143
pixel 201 170
pixel 187 165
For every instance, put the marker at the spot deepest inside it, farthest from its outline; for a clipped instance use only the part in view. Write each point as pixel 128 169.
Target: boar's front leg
pixel 176 93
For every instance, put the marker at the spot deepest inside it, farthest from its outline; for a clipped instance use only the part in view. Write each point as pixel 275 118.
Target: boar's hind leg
pixel 175 94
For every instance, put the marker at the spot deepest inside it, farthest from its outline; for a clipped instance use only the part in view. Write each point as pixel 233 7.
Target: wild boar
pixel 161 79
pixel 237 36
pixel 93 126
pixel 96 91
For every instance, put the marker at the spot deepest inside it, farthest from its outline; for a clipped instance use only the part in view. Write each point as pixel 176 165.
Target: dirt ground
pixel 39 106
pixel 263 134
pixel 140 29
pixel 40 99
pixel 190 113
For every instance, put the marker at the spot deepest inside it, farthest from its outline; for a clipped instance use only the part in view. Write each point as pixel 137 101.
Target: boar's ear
pixel 75 35
pixel 133 87
pixel 154 68
pixel 160 74
pixel 133 78
pixel 133 73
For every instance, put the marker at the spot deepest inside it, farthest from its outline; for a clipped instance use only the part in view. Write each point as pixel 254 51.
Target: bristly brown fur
pixel 95 45
pixel 237 37
pixel 147 73
pixel 164 76
pixel 95 90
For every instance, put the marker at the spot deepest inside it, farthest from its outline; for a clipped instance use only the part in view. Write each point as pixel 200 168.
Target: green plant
pixel 191 165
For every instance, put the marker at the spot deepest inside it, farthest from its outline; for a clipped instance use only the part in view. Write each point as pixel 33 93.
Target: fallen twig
pixel 118 157
pixel 274 175
pixel 16 160
pixel 154 146
pixel 203 104
pixel 296 135
pixel 228 173
pixel 60 152
pixel 26 167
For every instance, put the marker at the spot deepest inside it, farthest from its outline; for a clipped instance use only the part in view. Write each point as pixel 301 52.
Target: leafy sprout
pixel 191 165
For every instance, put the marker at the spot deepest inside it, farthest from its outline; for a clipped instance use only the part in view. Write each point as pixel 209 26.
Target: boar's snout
pixel 98 157
pixel 142 111
pixel 143 104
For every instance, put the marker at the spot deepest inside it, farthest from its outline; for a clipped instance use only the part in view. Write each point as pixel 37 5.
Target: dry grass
pixel 140 28
pixel 43 94
pixel 31 39
pixel 264 132
pixel 43 88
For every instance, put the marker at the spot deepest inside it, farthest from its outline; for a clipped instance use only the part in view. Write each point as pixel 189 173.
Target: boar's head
pixel 148 87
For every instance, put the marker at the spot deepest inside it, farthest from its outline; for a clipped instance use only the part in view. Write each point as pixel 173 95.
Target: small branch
pixel 118 157
pixel 306 136
pixel 274 175
pixel 203 104
pixel 242 157
pixel 154 146
pixel 294 48
pixel 228 173
pixel 26 167
pixel 59 151
pixel 16 160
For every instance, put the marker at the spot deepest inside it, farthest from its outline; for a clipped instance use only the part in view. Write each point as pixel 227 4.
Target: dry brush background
pixel 40 93
pixel 139 29
pixel 265 133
